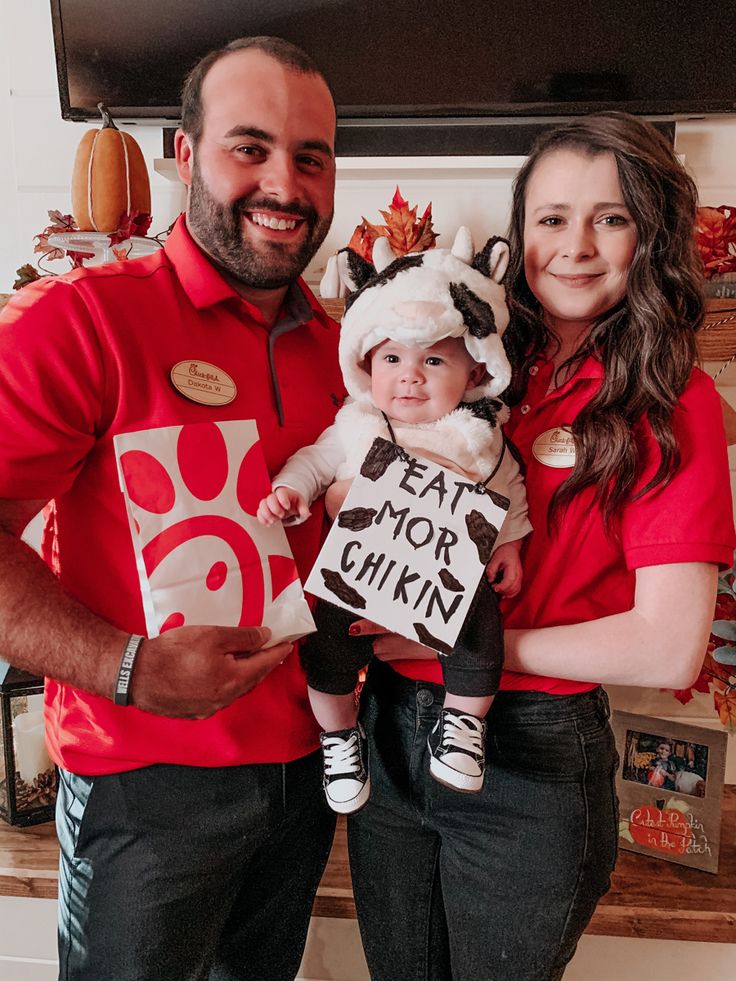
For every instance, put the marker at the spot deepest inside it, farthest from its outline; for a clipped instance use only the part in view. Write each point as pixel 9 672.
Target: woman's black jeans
pixel 495 886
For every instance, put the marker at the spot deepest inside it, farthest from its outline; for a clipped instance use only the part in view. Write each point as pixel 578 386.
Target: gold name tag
pixel 555 448
pixel 203 382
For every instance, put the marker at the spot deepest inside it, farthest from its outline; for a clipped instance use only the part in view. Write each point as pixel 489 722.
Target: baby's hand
pixel 281 504
pixel 505 560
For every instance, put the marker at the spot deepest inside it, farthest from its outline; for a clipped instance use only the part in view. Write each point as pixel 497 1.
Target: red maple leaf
pixel 405 232
pixel 701 684
pixel 59 224
pixel 715 236
pixel 131 223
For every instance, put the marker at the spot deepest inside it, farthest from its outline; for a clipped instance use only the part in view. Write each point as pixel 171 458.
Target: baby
pixel 422 358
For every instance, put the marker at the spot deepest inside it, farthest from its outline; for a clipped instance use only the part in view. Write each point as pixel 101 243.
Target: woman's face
pixel 579 237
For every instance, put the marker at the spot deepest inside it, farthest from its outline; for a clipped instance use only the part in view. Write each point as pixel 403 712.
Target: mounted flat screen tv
pixel 416 76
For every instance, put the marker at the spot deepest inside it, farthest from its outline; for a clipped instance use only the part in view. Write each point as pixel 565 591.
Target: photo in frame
pixel 670 787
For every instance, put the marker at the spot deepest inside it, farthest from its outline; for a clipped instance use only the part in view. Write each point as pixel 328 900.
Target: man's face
pixel 262 176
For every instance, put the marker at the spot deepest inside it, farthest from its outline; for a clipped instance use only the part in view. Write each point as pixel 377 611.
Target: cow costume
pixel 417 300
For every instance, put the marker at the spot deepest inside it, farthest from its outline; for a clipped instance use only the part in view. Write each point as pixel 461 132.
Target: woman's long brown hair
pixel 647 343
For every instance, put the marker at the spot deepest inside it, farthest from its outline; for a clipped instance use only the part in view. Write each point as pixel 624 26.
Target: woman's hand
pixel 392 647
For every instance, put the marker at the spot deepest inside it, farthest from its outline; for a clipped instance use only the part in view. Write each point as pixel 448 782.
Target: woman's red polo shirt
pixel 582 572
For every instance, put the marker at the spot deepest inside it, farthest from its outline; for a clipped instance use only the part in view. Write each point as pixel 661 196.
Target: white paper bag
pixel 191 493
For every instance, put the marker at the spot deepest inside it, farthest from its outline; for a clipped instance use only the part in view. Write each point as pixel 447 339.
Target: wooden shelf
pixel 29 861
pixel 649 898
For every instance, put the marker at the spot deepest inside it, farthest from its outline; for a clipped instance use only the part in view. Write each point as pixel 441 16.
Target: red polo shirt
pixel 582 573
pixel 87 356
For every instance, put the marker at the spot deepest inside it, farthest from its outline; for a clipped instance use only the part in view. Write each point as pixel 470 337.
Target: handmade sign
pixel 191 493
pixel 409 546
pixel 670 788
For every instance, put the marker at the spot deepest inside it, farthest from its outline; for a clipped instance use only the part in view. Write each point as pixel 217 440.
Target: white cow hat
pixel 422 298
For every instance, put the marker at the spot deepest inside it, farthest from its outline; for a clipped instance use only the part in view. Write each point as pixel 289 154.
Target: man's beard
pixel 219 230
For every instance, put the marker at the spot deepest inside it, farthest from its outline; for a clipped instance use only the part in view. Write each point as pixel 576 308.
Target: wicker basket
pixel 717 337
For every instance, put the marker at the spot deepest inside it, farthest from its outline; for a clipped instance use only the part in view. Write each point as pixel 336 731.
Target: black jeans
pixel 495 886
pixel 331 658
pixel 175 873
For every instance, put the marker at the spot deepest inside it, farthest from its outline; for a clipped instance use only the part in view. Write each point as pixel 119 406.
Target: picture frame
pixel 670 782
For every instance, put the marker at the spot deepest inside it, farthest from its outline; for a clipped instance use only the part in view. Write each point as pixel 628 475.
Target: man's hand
pixel 389 646
pixel 191 672
pixel 280 505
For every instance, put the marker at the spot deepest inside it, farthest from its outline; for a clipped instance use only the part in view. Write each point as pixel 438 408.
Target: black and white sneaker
pixel 346 780
pixel 456 754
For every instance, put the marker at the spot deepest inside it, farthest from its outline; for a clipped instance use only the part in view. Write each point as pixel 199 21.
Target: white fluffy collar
pixel 462 437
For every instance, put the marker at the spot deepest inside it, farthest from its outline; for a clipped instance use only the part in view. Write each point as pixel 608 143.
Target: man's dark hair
pixel 284 52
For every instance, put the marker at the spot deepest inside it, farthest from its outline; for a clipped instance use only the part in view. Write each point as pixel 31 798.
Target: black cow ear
pixel 359 269
pixel 476 313
pixel 493 258
pixel 346 273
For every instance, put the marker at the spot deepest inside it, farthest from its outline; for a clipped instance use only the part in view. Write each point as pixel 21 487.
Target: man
pixel 192 825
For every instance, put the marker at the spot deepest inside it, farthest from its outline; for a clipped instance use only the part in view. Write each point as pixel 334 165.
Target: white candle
pixel 31 757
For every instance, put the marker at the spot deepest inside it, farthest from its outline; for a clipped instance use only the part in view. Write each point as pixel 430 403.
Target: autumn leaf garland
pixel 133 223
pixel 715 236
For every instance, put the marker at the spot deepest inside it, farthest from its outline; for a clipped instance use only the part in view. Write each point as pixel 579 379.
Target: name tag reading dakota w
pixel 409 546
pixel 203 382
pixel 555 448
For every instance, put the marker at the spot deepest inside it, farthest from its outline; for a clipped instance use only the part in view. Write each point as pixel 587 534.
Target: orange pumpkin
pixel 110 178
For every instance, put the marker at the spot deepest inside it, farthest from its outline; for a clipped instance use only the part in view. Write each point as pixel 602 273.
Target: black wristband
pixel 125 671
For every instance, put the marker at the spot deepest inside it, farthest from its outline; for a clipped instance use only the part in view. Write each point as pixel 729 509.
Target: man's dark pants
pixel 175 873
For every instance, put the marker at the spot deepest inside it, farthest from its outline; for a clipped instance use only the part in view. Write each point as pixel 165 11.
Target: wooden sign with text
pixel 670 789
pixel 409 546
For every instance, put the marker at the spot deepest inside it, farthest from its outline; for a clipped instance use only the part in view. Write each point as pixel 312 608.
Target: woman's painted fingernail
pixel 353 629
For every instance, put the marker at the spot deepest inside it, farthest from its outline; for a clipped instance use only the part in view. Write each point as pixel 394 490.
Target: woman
pixel 629 497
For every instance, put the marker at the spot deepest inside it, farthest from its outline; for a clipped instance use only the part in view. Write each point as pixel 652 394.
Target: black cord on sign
pixel 480 488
